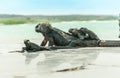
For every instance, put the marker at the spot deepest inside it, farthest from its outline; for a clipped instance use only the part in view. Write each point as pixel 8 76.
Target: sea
pixel 98 62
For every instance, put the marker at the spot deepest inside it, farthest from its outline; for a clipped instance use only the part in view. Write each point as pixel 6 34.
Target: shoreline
pixel 17 22
pixel 21 19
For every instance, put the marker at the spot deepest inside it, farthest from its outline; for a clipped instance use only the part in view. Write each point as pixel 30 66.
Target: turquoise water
pixel 22 31
pixel 104 29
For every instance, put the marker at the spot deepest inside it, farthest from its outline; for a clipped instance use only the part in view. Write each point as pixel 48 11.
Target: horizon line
pixel 56 14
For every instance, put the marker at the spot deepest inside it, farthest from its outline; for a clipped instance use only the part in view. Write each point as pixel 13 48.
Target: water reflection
pixel 29 57
pixel 33 57
pixel 48 60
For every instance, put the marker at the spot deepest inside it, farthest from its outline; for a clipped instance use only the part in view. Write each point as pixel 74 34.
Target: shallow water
pixel 100 62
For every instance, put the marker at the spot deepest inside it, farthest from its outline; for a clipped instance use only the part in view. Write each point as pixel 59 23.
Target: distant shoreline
pixel 23 19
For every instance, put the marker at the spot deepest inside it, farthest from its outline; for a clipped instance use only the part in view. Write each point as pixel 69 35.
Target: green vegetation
pixel 21 19
pixel 14 21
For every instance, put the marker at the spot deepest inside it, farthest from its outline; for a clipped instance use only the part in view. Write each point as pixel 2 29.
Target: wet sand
pixel 102 63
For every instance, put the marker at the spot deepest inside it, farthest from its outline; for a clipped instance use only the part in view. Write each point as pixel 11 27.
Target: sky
pixel 59 7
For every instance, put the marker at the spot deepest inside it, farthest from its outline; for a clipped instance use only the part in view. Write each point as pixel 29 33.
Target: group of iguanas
pixel 59 39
